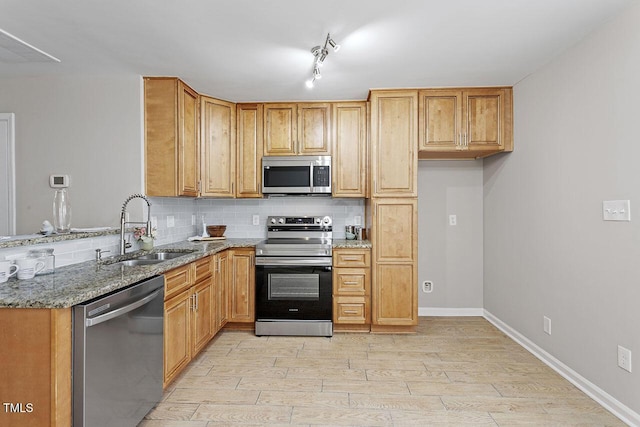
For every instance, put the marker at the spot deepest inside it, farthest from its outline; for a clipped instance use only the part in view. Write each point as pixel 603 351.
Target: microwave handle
pixel 311 178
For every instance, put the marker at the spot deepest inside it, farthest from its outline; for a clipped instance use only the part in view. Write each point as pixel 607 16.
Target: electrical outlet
pixel 357 220
pixel 453 220
pixel 624 358
pixel 171 221
pixel 427 286
pixel 256 220
pixel 547 325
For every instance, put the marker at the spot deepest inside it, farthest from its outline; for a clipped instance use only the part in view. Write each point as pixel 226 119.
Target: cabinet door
pixel 394 230
pixel 349 149
pixel 188 164
pixel 170 137
pixel 242 286
pixel 314 125
pixel 177 334
pixel 394 133
pixel 222 283
pixel 218 143
pixel 395 295
pixel 203 321
pixel 280 129
pixel 488 121
pixel 439 121
pixel 249 150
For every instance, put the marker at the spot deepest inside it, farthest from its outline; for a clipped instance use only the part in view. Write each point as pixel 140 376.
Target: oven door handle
pixel 280 261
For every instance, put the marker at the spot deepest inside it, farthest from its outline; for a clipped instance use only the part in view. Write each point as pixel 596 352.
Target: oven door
pixel 293 289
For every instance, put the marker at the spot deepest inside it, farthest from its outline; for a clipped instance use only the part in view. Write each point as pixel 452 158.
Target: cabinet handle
pixel 466 143
pixel 195 297
pixel 459 144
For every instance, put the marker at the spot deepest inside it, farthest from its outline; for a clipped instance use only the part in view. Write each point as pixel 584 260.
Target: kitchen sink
pixel 161 256
pixel 148 259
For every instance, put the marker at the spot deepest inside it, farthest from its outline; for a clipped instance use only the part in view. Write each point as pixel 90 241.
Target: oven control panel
pixel 300 221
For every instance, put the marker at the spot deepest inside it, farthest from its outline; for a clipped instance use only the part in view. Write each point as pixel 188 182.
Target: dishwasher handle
pixel 122 310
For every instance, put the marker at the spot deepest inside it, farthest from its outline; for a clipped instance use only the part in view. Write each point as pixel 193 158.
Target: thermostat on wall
pixel 59 181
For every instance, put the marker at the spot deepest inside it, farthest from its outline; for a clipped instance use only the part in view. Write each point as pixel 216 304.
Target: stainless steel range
pixel 293 277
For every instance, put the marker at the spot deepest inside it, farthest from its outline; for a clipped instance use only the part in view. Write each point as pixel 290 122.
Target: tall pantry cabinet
pixel 392 210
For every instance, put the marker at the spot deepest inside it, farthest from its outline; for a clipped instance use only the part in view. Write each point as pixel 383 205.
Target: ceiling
pixel 259 50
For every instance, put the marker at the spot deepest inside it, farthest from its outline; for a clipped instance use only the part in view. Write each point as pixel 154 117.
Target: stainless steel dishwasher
pixel 117 356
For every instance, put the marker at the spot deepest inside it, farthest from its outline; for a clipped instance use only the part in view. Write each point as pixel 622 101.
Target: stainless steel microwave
pixel 310 175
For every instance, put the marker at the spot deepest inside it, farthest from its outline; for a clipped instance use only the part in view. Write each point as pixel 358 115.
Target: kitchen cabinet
pixel 349 159
pixel 297 129
pixel 221 281
pixel 189 315
pixel 394 237
pixel 351 289
pixel 35 350
pixel 218 147
pixel 464 123
pixel 394 133
pixel 249 150
pixel 171 131
pixel 242 286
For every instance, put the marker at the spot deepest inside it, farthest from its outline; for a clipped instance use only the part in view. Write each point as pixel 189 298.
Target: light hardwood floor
pixel 454 371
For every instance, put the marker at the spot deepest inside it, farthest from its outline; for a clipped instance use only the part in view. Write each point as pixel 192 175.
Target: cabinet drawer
pixel 351 281
pixel 177 280
pixel 353 310
pixel 203 268
pixel 352 258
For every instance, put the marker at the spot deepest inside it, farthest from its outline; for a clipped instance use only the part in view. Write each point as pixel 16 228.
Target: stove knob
pixel 318 220
pixel 272 221
pixel 326 220
pixel 280 220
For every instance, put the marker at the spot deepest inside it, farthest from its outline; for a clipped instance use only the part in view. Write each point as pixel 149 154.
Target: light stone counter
pixel 81 282
pixel 77 283
pixel 351 244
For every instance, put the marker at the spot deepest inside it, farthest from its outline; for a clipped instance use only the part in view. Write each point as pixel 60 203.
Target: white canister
pixel 47 257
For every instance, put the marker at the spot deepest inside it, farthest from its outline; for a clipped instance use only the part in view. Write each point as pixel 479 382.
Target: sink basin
pixel 134 262
pixel 147 259
pixel 161 256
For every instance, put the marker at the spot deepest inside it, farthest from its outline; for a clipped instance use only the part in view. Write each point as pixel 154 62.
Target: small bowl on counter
pixel 216 230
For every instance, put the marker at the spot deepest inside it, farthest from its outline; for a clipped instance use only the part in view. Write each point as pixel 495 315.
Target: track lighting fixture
pixel 320 53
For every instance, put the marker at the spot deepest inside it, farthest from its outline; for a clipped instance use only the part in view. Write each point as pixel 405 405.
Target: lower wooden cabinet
pixel 221 281
pixel 242 285
pixel 351 289
pixel 188 314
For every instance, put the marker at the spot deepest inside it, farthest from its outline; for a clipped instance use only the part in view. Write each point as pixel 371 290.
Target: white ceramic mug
pixel 28 267
pixel 5 270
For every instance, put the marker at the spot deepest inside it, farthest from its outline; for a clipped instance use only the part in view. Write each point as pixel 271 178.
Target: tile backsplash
pixel 185 217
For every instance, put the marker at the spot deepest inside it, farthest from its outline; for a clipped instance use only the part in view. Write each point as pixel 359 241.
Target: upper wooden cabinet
pixel 249 150
pixel 218 147
pixel 394 133
pixel 349 160
pixel 292 129
pixel 465 123
pixel 171 137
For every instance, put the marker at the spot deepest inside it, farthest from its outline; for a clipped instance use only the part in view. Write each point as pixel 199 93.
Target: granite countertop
pixel 81 282
pixel 351 244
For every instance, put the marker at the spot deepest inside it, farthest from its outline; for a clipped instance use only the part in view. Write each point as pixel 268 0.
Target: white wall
pixel 89 127
pixel 450 256
pixel 547 250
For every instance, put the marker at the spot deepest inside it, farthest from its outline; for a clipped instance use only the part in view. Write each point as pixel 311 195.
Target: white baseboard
pixel 620 410
pixel 450 312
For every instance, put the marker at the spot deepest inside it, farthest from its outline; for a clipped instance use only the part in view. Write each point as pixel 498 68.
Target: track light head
pixel 309 83
pixel 316 73
pixel 334 45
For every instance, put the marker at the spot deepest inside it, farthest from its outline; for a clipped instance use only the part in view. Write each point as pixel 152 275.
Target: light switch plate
pixel 357 220
pixel 256 220
pixel 616 210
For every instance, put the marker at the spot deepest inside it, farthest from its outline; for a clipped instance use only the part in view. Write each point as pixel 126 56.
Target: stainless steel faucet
pixel 123 222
